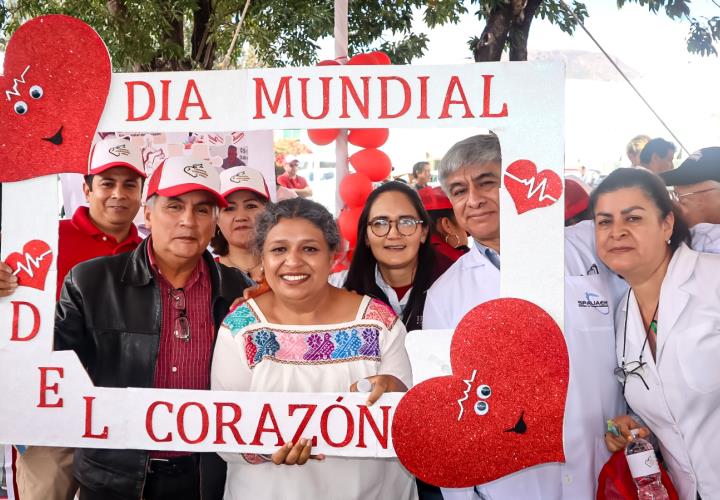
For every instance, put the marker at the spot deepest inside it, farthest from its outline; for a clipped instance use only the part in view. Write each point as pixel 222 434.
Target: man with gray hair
pixel 470 175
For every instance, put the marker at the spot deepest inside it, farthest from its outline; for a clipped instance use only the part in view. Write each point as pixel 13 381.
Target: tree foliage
pixel 155 35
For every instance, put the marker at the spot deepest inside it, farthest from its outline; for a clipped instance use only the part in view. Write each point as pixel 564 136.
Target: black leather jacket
pixel 109 313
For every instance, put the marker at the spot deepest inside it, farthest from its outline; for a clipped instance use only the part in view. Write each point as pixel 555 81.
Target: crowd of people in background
pixel 645 238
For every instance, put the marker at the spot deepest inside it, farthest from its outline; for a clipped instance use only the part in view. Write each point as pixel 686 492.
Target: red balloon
pixel 354 189
pixel 368 137
pixel 370 58
pixel 328 62
pixel 322 136
pixel 348 224
pixel 372 162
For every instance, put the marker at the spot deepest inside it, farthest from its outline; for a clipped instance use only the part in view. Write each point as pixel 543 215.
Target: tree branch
pixel 491 43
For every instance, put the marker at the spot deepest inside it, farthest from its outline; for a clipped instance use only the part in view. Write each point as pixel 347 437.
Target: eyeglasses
pixel 637 368
pixel 182 323
pixel 405 226
pixel 679 197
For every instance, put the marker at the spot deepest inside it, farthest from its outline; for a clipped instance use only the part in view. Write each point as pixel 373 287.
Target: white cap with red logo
pixel 243 179
pixel 115 152
pixel 178 175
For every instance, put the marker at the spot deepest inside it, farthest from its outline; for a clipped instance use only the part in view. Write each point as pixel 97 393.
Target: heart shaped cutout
pixel 54 85
pixel 502 409
pixel 32 265
pixel 530 189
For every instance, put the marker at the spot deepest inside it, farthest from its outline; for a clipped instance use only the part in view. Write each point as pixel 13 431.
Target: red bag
pixel 616 483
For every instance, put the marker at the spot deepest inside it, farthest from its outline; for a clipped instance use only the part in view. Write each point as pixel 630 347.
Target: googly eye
pixel 36 92
pixel 484 391
pixel 21 108
pixel 481 407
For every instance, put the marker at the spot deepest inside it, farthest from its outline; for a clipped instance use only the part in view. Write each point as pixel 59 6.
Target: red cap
pixel 178 175
pixel 577 197
pixel 434 199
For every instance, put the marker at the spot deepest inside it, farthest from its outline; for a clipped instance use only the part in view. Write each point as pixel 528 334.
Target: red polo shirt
pixel 80 240
pixel 296 182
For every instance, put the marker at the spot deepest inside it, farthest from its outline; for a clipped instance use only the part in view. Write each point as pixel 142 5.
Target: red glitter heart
pixel 32 265
pixel 531 189
pixel 55 81
pixel 517 351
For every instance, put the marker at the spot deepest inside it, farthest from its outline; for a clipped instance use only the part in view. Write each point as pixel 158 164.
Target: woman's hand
pixel 296 454
pixel 624 423
pixel 380 385
pixel 250 293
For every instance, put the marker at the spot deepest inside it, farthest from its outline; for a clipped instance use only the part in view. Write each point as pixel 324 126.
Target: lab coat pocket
pixel 699 352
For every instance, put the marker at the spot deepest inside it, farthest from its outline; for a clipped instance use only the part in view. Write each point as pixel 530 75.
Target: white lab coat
pixel 593 392
pixel 706 237
pixel 682 407
pixel 470 281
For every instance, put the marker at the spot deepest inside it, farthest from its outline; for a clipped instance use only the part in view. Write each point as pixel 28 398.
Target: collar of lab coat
pixel 674 293
pixel 474 258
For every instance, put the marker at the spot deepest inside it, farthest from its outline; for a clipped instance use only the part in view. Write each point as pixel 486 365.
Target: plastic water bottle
pixel 645 469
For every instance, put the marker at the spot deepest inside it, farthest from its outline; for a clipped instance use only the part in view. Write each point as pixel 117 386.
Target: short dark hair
pixel 419 167
pixel 654 188
pixel 361 274
pixel 658 146
pixel 297 208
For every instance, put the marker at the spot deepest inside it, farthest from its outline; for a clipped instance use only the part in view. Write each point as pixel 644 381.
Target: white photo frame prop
pixel 47 397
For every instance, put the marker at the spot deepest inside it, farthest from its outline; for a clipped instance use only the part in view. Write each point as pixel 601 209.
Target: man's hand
pixel 8 282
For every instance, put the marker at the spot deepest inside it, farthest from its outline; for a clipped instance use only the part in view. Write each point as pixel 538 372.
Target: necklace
pixel 247 271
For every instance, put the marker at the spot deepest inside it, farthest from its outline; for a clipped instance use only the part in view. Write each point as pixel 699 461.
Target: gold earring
pixel 447 237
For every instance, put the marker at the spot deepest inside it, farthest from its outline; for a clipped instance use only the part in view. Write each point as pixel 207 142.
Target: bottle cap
pixel 364 385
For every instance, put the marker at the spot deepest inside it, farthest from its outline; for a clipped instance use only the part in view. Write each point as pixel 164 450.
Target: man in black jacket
pixel 149 318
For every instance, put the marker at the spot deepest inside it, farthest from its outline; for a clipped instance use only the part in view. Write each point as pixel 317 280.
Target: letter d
pixel 16 334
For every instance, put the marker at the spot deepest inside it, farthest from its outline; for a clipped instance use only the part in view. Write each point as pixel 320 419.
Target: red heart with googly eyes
pixel 55 82
pixel 502 409
pixel 530 189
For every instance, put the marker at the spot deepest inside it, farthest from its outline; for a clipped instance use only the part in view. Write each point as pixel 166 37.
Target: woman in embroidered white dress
pixel 305 335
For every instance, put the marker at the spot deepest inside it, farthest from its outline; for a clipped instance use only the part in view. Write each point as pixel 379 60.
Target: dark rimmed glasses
pixel 637 368
pixel 182 323
pixel 407 226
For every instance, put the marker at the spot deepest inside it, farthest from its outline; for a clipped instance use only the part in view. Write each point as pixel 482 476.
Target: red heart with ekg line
pixel 502 409
pixel 55 81
pixel 529 188
pixel 32 265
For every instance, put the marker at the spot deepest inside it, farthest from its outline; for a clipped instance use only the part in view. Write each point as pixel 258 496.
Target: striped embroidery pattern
pixel 380 311
pixel 314 347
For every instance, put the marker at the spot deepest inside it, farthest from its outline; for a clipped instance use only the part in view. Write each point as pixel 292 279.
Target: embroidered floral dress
pixel 252 354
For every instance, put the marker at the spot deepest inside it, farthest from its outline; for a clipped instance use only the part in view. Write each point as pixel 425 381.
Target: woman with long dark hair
pixel 394 260
pixel 667 328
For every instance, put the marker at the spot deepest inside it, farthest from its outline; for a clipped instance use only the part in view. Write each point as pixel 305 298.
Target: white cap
pixel 291 158
pixel 115 152
pixel 178 175
pixel 243 179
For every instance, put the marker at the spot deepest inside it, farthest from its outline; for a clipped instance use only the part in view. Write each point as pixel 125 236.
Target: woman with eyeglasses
pixel 246 193
pixel 305 335
pixel 667 327
pixel 394 260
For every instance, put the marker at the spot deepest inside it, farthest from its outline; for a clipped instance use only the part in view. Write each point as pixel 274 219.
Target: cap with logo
pixel 243 179
pixel 433 198
pixel 702 165
pixel 179 175
pixel 110 153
